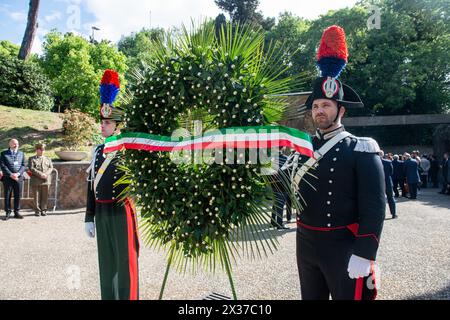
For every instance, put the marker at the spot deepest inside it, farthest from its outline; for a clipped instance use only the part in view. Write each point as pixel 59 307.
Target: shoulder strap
pixel 103 168
pixel 318 155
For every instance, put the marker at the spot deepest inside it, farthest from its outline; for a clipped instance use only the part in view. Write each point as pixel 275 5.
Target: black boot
pixel 17 215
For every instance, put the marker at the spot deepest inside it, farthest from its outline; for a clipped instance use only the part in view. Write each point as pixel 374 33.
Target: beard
pixel 323 122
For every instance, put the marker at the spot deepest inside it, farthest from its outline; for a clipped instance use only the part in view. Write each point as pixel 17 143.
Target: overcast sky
pixel 116 18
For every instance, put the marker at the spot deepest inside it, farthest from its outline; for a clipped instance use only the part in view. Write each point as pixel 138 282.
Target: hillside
pixel 31 127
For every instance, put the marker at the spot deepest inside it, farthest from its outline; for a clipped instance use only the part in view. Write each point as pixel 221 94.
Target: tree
pixel 23 84
pixel 289 33
pixel 8 49
pixel 219 23
pixel 402 68
pixel 244 11
pixel 75 68
pixel 136 47
pixel 239 10
pixel 30 31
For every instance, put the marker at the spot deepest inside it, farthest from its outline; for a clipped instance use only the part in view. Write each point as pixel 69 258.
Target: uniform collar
pixel 329 135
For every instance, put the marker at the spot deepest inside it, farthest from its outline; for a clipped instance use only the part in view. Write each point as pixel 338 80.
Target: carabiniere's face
pixel 108 128
pixel 324 112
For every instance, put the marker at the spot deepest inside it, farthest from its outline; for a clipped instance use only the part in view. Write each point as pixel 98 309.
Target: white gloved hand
pixel 358 267
pixel 89 227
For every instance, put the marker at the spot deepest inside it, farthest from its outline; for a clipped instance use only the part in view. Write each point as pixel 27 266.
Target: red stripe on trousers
pixel 359 288
pixel 132 252
pixel 372 270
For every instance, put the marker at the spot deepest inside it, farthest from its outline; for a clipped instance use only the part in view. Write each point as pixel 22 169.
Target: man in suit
pixel 280 184
pixel 412 175
pixel 444 167
pixel 398 176
pixel 388 172
pixel 425 165
pixel 41 169
pixel 434 170
pixel 13 166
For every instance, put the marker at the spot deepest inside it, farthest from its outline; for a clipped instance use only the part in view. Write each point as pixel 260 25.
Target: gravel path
pixel 51 258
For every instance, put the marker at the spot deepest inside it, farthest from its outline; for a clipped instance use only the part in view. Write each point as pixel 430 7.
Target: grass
pixel 31 127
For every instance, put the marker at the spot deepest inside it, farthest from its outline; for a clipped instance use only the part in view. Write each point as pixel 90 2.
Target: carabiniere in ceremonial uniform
pixel 115 219
pixel 338 231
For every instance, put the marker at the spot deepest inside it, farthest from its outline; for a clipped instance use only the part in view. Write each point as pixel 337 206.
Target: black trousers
pixel 12 187
pixel 281 198
pixel 413 190
pixel 391 201
pixel 322 260
pixel 118 250
pixel 399 183
pixel 424 179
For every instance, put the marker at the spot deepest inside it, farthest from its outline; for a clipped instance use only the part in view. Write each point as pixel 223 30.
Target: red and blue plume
pixel 332 55
pixel 109 87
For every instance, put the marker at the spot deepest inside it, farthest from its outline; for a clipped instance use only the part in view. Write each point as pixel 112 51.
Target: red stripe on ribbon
pixel 132 251
pixel 214 145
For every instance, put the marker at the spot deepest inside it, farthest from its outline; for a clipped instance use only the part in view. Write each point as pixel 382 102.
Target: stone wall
pixel 71 193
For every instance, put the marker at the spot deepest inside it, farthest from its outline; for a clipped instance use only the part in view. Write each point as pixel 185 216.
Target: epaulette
pixel 366 144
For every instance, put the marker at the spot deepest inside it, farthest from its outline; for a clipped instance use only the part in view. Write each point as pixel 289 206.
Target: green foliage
pixel 290 33
pixel 196 210
pixel 76 66
pixel 78 129
pixel 136 47
pixel 244 11
pixel 8 49
pixel 241 11
pixel 401 68
pixel 23 84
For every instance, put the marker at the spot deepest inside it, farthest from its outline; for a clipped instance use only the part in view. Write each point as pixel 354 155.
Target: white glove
pixel 89 227
pixel 358 267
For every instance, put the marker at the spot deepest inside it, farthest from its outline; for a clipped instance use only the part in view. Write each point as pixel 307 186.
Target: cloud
pixel 303 8
pixel 18 16
pixel 120 17
pixel 37 45
pixel 116 18
pixel 55 15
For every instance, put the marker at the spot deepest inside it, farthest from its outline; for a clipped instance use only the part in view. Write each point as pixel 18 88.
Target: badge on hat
pixel 106 111
pixel 330 87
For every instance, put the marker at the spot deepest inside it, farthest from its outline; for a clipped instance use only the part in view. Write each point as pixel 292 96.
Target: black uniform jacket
pixel 106 192
pixel 350 190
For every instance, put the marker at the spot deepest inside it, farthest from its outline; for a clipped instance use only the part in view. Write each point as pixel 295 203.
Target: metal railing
pixel 26 189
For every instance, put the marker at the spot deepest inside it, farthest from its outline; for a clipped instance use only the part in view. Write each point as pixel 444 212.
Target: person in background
pixel 41 169
pixel 415 155
pixel 434 171
pixel 425 165
pixel 279 185
pixel 445 180
pixel 398 176
pixel 412 175
pixel 388 173
pixel 12 162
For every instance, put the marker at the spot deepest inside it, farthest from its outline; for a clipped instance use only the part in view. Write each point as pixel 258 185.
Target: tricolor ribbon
pixel 261 137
